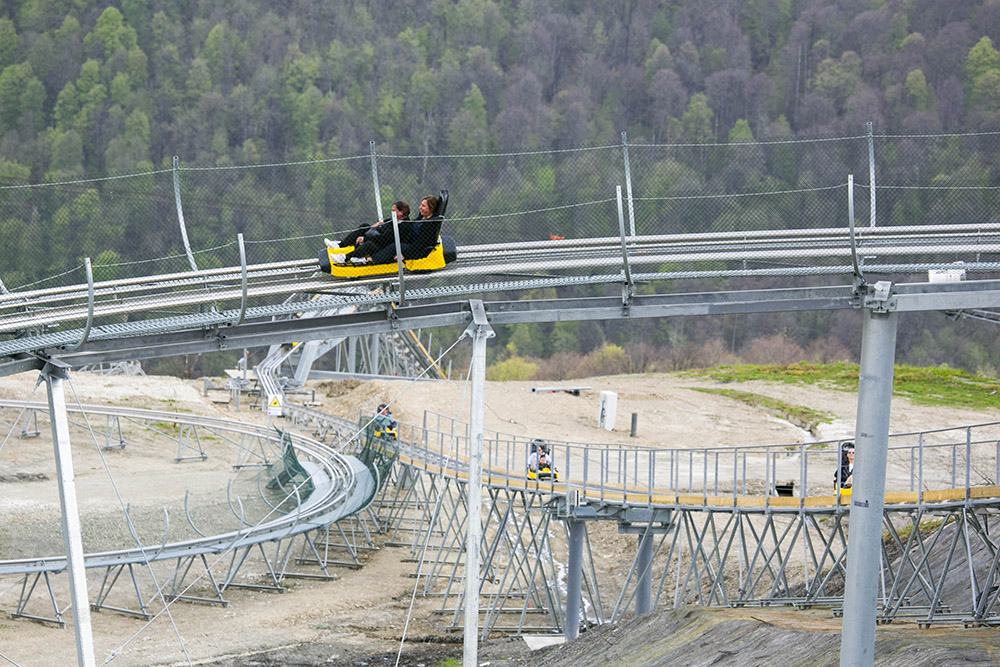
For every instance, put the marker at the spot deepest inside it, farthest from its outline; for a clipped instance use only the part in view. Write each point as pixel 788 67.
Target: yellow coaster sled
pixel 544 474
pixel 442 254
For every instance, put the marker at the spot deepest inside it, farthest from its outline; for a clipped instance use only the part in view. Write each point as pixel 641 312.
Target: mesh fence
pixel 691 209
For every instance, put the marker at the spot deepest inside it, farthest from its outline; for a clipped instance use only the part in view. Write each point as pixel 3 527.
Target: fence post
pixel 621 229
pixel 378 192
pixel 871 173
pixel 628 185
pixel 180 213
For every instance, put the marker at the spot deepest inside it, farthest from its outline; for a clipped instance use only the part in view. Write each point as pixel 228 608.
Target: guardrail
pixel 921 465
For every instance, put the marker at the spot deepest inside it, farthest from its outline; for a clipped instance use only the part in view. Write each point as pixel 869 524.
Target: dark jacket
pixel 843 472
pixel 417 238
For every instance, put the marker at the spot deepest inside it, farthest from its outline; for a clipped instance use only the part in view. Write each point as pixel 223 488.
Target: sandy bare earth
pixel 364 611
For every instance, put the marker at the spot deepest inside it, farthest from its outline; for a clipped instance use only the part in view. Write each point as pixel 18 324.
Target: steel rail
pixel 315 512
pixel 946 236
pixel 548 263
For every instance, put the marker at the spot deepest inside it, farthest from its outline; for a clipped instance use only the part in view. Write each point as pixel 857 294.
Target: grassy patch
pixel 923 386
pixel 799 415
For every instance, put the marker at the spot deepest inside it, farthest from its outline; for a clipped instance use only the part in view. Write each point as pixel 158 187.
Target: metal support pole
pixel 644 574
pixel 621 230
pixel 180 214
pixel 479 330
pixel 871 173
pixel 378 191
pixel 628 185
pixel 399 258
pixel 878 346
pixel 53 374
pixel 850 221
pixel 243 279
pixel 574 578
pixel 90 305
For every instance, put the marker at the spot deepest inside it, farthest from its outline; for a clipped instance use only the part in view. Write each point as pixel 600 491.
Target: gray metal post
pixel 621 230
pixel 53 374
pixel 399 258
pixel 871 174
pixel 378 190
pixel 479 330
pixel 628 185
pixel 180 214
pixel 574 578
pixel 878 346
pixel 644 574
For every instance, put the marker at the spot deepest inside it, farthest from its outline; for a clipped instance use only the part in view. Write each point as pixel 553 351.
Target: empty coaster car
pixel 429 251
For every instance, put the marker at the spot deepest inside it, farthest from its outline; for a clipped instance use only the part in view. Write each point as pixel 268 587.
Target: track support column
pixel 53 375
pixel 644 574
pixel 878 346
pixel 574 578
pixel 479 330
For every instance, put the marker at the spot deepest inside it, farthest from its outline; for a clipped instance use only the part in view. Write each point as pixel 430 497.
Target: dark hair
pixel 381 407
pixel 847 445
pixel 403 208
pixel 432 203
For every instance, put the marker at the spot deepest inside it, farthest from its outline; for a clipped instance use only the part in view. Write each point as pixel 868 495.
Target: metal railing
pixel 962 457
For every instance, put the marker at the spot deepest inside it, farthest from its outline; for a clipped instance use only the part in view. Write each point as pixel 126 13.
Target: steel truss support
pixel 337 544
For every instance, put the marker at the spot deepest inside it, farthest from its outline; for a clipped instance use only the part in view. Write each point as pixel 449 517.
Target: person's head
pixel 402 210
pixel 428 206
pixel 383 408
pixel 848 451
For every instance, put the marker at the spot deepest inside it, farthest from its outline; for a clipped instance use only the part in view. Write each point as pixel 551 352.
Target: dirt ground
pixel 360 617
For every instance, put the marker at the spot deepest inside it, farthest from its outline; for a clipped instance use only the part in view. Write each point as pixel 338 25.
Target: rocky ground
pixel 360 618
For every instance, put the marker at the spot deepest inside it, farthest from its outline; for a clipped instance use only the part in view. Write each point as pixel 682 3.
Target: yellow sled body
pixel 544 474
pixel 432 262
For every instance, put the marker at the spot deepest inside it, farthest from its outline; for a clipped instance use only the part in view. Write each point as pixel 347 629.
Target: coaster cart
pixel 443 253
pixel 545 471
pixel 544 474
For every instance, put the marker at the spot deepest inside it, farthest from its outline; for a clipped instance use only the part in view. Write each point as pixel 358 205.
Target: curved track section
pixel 341 486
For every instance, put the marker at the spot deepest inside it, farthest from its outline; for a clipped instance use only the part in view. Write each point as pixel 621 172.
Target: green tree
pixel 304 120
pixel 130 149
pixel 919 93
pixel 741 132
pixel 66 149
pixel 467 131
pixel 697 119
pixel 21 94
pixel 838 79
pixel 111 33
pixel 981 59
pixel 512 369
pixel 8 43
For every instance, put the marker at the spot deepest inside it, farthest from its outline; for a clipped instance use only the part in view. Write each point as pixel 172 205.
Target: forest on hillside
pixel 93 89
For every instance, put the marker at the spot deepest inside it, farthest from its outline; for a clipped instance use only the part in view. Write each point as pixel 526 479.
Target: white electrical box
pixel 608 411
